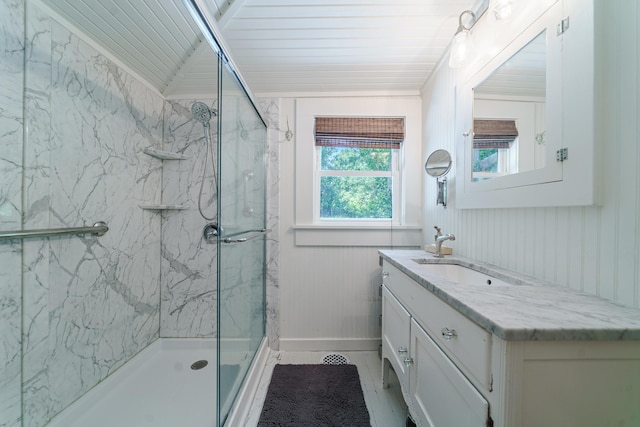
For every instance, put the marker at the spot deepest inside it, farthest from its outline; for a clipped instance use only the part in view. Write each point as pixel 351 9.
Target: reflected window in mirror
pixel 509 115
pixel 495 148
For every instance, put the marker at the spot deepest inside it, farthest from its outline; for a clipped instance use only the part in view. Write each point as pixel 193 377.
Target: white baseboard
pixel 328 344
pixel 244 399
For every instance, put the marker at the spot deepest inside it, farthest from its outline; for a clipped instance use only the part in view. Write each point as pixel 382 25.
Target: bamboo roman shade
pixel 489 134
pixel 359 132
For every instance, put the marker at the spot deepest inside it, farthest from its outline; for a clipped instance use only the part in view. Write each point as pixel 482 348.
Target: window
pixel 357 174
pixel 355 183
pixel 354 174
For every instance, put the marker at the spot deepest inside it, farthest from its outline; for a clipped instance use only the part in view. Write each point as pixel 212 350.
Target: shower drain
pixel 335 359
pixel 199 364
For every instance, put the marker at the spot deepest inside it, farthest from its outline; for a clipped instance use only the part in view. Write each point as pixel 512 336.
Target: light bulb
pixel 502 9
pixel 461 48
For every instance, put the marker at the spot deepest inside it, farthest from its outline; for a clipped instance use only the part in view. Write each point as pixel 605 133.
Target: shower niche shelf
pixel 163 155
pixel 163 207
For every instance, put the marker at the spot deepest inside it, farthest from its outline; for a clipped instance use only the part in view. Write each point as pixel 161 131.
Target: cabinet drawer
pixel 395 335
pixel 468 345
pixel 441 395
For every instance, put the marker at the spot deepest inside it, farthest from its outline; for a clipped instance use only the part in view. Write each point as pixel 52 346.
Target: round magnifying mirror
pixel 438 163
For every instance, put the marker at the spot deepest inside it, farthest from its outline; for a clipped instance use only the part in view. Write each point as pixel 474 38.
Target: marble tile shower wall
pixel 89 303
pixel 188 306
pixel 189 263
pixel 270 108
pixel 11 105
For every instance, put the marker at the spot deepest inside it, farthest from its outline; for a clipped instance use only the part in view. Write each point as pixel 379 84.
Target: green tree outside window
pixel 360 197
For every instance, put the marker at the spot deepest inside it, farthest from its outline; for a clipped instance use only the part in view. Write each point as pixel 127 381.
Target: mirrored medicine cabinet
pixel 518 123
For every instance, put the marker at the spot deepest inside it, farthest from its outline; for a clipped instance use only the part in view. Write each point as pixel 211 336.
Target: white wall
pixel 592 249
pixel 328 296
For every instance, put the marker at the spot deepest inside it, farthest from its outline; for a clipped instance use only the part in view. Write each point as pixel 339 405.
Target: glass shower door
pixel 241 245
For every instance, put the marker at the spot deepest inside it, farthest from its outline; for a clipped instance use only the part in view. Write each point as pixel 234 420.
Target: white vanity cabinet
pixel 455 373
pixel 435 389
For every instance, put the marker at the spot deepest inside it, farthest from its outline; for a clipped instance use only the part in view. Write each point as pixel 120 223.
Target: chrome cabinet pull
pixel 448 334
pixel 385 274
pixel 408 361
pixel 402 350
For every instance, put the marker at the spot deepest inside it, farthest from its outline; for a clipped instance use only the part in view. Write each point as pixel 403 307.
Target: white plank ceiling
pixel 280 46
pixel 339 45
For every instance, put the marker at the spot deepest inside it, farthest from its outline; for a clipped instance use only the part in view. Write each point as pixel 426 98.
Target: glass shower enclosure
pixel 241 244
pixel 91 134
pixel 241 227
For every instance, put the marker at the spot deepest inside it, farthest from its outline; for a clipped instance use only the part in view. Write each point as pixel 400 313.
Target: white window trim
pixel 310 230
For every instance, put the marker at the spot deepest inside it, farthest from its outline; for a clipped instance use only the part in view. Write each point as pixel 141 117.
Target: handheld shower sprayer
pixel 202 113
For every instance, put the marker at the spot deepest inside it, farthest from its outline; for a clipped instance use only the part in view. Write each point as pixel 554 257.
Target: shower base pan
pixel 155 388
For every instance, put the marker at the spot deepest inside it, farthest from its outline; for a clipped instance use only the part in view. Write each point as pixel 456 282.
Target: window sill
pixel 357 235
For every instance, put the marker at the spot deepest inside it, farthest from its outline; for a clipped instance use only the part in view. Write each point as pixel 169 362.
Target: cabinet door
pixel 396 323
pixel 441 395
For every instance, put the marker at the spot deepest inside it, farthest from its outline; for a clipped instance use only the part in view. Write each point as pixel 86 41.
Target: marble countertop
pixel 530 309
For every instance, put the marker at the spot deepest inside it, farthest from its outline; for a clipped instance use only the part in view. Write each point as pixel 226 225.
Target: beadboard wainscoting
pixel 594 249
pixel 329 298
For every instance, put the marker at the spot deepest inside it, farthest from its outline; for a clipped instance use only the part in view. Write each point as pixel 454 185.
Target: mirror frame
pixel 569 110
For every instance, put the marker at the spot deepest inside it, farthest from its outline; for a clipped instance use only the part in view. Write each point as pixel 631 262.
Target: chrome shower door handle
pixel 232 238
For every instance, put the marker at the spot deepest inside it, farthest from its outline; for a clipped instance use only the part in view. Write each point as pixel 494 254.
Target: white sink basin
pixel 458 274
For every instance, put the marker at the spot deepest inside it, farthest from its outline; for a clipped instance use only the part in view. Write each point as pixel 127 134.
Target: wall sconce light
pixel 462 46
pixel 502 9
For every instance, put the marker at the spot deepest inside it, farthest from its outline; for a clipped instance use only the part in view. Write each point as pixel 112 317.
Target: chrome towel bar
pixel 99 228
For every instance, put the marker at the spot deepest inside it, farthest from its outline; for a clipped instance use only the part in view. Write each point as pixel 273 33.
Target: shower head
pixel 202 112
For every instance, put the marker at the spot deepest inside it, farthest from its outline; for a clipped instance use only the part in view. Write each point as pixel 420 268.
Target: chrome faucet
pixel 441 238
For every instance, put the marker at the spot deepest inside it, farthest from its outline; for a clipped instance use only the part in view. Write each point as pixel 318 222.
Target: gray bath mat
pixel 315 395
